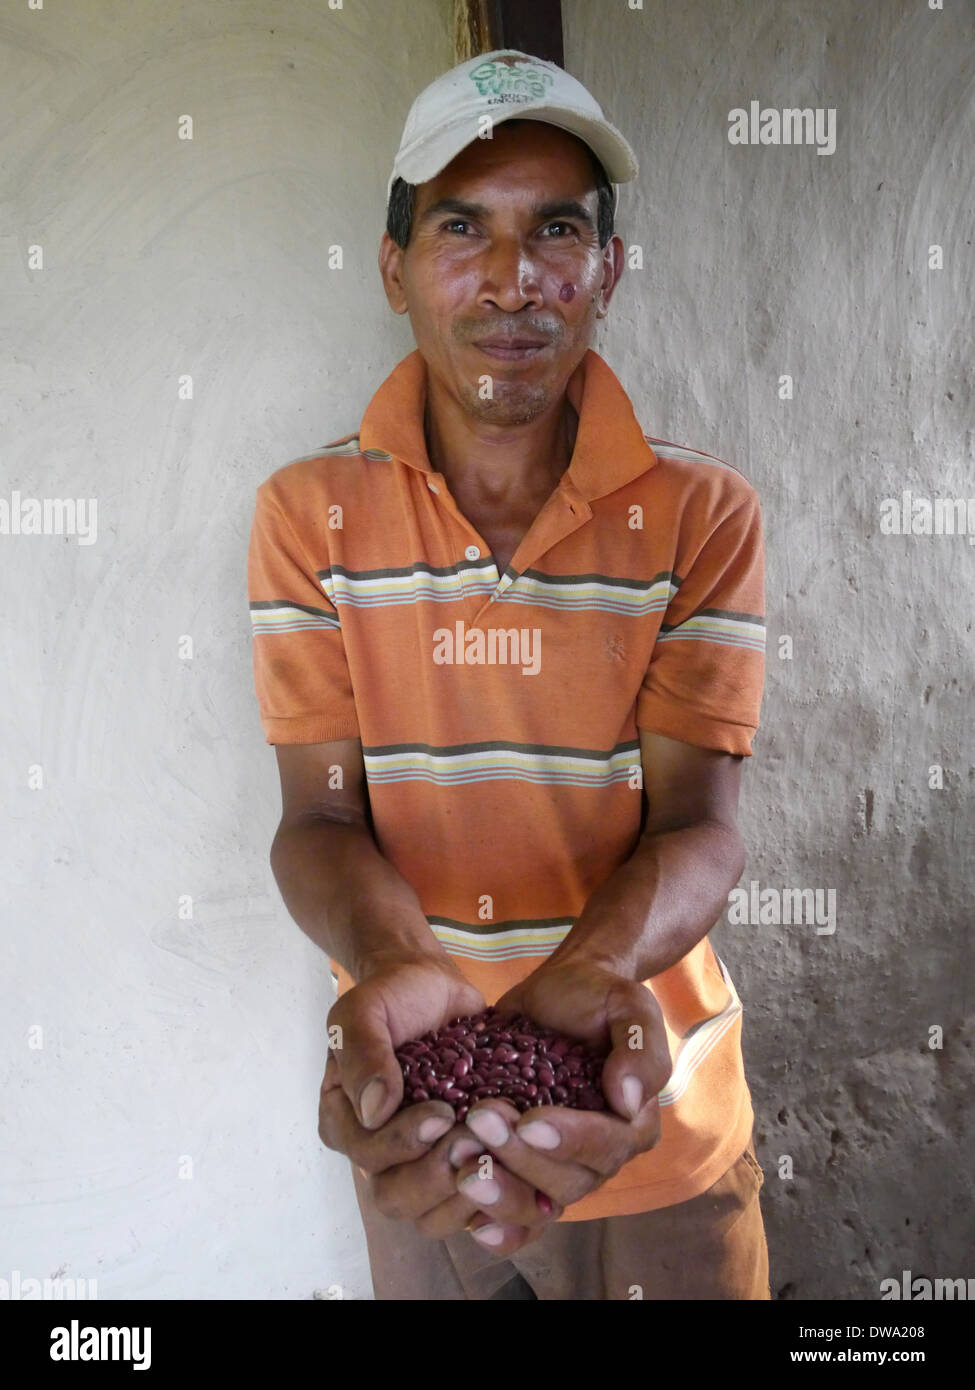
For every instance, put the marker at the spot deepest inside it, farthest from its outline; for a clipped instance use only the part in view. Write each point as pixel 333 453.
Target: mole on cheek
pixel 567 292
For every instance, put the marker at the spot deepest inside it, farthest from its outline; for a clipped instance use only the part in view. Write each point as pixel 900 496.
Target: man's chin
pixel 509 405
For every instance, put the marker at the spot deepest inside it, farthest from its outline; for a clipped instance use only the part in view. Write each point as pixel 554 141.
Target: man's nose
pixel 510 277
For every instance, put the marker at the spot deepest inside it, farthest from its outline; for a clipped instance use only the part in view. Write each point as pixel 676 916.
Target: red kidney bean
pixel 473 1058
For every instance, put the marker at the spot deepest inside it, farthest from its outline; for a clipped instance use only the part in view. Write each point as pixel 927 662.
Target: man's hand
pixel 573 1152
pixel 406 1154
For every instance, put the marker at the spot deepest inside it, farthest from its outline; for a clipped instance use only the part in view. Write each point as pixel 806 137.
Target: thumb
pixel 370 1075
pixel 639 1064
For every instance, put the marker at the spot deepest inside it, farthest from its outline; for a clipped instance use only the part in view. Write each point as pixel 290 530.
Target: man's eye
pixel 447 225
pixel 567 225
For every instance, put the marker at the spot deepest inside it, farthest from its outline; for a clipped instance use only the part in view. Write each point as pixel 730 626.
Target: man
pixel 510 653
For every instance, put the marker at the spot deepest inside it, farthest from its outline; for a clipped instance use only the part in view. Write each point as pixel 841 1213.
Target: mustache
pixel 507 328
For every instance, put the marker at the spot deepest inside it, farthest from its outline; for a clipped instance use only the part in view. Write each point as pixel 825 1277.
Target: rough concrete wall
pixel 766 260
pixel 168 1038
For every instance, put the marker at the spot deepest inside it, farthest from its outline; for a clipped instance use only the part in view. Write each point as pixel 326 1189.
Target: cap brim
pixel 434 154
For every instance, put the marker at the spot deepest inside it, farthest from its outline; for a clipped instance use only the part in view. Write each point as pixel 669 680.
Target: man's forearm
pixel 660 903
pixel 347 897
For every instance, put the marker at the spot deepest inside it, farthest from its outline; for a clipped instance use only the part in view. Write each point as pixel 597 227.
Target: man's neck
pixel 485 463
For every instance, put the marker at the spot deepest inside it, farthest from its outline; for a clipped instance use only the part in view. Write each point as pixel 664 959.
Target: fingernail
pixel 544 1203
pixel 461 1151
pixel 632 1095
pixel 434 1128
pixel 540 1134
pixel 489 1235
pixel 488 1126
pixel 484 1191
pixel 372 1101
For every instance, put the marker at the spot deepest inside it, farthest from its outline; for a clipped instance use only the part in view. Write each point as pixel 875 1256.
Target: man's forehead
pixel 514 157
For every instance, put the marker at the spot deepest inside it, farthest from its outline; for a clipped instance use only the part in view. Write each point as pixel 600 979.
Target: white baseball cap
pixel 504 85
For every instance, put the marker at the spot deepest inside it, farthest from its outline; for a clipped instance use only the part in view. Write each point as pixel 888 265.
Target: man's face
pixel 503 277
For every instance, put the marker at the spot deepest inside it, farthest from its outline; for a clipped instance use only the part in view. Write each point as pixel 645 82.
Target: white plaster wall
pixel 165 1038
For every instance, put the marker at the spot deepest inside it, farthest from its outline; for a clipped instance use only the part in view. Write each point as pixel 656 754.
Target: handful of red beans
pixel 511 1057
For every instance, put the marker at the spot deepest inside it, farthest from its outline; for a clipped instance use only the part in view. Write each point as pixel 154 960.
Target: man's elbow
pixel 731 847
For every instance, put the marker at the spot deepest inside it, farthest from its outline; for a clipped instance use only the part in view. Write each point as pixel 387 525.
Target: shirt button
pixel 433 487
pixel 472 553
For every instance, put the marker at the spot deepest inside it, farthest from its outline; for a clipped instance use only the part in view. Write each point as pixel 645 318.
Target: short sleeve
pixel 301 676
pixel 706 674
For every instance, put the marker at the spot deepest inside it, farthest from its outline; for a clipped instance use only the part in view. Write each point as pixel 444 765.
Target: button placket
pixel 471 552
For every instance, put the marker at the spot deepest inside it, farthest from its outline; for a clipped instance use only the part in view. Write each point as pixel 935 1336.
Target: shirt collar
pixel 610 448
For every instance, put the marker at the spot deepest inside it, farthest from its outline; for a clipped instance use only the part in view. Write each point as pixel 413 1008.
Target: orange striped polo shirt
pixel 499 715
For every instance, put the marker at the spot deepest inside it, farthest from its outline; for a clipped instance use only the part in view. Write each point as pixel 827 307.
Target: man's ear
pixel 614 262
pixel 391 268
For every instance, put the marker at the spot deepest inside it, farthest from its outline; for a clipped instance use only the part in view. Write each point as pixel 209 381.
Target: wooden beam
pixel 471 30
pixel 532 26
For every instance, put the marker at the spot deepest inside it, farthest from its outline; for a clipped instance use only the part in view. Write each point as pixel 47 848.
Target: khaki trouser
pixel 712 1247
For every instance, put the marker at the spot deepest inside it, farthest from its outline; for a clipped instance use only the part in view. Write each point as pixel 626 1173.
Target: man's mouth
pixel 512 349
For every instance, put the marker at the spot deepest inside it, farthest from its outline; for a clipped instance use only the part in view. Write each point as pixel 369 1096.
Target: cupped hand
pixel 564 1153
pixel 405 1154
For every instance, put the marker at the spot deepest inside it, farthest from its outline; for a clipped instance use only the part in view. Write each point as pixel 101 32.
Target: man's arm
pixel 353 903
pixel 342 892
pixel 645 917
pixel 671 891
